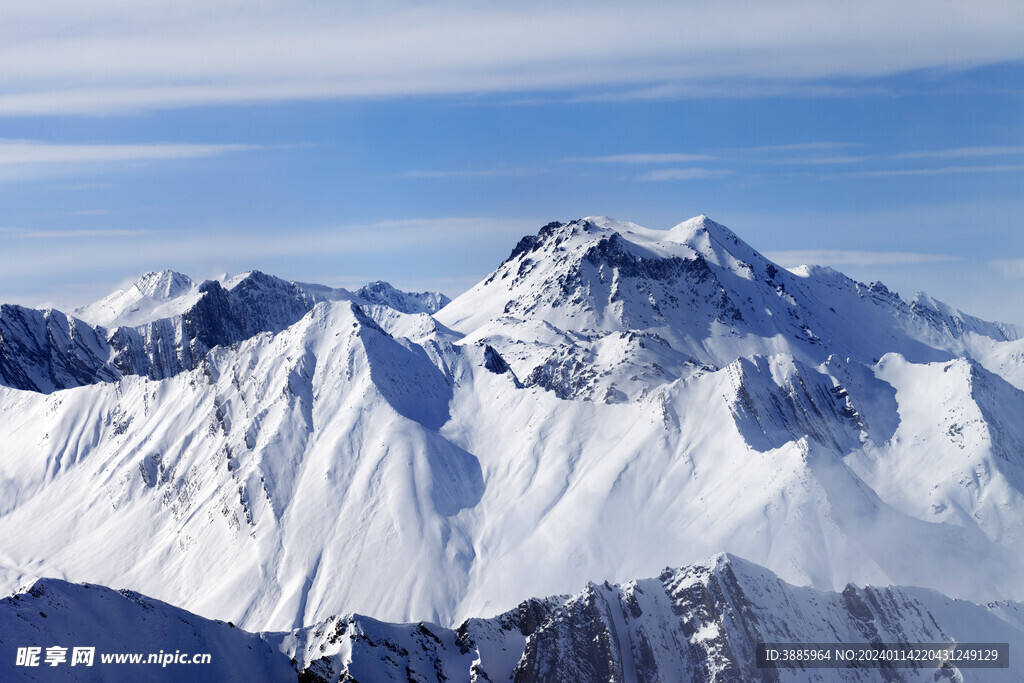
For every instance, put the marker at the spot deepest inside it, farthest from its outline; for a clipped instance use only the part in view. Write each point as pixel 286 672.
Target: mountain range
pixel 608 401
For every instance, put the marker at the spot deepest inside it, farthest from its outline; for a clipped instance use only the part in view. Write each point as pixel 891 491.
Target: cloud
pixel 475 173
pixel 839 159
pixel 826 160
pixel 672 174
pixel 744 153
pixel 1010 268
pixel 90 212
pixel 116 56
pixel 799 147
pixel 838 257
pixel 22 233
pixel 961 152
pixel 81 187
pixel 945 170
pixel 22 160
pixel 661 158
pixel 20 152
pixel 117 249
pixel 730 89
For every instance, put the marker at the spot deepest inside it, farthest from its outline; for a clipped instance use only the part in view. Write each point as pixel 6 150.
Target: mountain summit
pixel 145 300
pixel 692 297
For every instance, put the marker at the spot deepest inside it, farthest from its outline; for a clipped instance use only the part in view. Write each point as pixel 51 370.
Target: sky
pixel 346 142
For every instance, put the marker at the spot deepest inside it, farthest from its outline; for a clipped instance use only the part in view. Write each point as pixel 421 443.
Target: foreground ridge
pixel 701 622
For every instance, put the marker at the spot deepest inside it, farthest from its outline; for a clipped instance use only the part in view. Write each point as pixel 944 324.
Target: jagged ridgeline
pixel 702 622
pixel 162 325
pixel 610 400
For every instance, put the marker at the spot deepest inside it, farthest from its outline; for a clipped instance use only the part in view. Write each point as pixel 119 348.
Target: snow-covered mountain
pixel 380 292
pixel 162 325
pixel 701 623
pixel 619 310
pixel 609 401
pixel 153 296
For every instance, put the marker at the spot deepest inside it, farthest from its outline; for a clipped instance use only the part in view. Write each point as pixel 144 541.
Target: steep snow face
pixel 956 456
pixel 52 612
pixel 252 486
pixel 405 302
pixel 751 458
pixel 699 622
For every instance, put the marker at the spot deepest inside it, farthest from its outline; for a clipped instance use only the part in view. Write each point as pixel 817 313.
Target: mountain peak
pixel 163 284
pixel 380 292
pixel 713 240
pixel 155 294
pixel 692 227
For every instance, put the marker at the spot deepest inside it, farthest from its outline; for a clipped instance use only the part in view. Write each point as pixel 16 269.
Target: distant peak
pixel 378 286
pixel 381 292
pixel 252 279
pixel 163 284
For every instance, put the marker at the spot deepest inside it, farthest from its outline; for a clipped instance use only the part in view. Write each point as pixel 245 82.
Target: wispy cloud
pixel 1000 168
pixel 22 160
pixel 770 154
pixel 657 158
pixel 853 258
pixel 113 248
pixel 673 174
pixel 952 153
pixel 962 152
pixel 799 147
pixel 699 87
pixel 21 233
pixel 84 255
pixel 90 212
pixel 115 58
pixel 22 152
pixel 474 173
pixel 840 159
pixel 1010 268
pixel 81 187
pixel 826 160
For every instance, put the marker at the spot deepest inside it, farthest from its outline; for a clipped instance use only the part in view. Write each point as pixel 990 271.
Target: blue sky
pixel 340 143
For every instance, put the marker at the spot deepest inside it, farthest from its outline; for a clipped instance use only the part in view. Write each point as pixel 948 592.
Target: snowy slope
pixel 701 622
pixel 56 613
pixel 260 477
pixel 268 473
pixel 610 400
